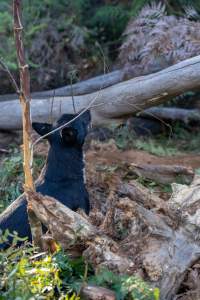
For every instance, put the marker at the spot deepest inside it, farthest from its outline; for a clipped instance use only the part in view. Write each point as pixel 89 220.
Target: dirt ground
pixel 108 154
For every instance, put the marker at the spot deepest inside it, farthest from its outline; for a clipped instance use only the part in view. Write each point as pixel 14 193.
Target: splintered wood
pixel 151 244
pixel 25 99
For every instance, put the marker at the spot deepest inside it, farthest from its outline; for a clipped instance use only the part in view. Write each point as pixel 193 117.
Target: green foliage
pixel 11 176
pixel 176 7
pixel 197 171
pixel 5 238
pixel 156 147
pixel 182 139
pixel 71 272
pixel 61 36
pixel 126 287
pixel 109 22
pixel 137 5
pixel 155 186
pixel 124 138
pixel 7 41
pixel 26 274
pixel 187 139
pixel 11 179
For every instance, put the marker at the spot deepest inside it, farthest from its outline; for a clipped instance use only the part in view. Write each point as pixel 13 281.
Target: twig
pixel 51 109
pixel 10 76
pixel 67 123
pixel 4 150
pixel 89 106
pixel 72 92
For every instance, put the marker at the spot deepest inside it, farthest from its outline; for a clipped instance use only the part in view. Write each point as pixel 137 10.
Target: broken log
pixel 165 252
pixel 137 192
pixel 114 102
pixel 162 173
pixel 172 114
pixel 91 292
pixel 81 88
pixel 74 232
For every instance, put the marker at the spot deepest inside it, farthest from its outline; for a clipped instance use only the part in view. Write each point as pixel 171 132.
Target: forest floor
pixel 106 163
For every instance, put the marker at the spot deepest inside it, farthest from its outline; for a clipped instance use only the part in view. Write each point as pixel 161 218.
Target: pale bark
pixel 137 192
pixel 80 88
pixel 75 233
pixel 90 292
pixel 25 101
pixel 162 173
pixel 169 249
pixel 172 114
pixel 114 102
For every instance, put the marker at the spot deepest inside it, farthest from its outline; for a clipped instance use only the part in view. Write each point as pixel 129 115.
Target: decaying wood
pixel 172 114
pixel 84 87
pixel 91 292
pixel 147 199
pixel 25 99
pixel 163 174
pixel 138 193
pixel 166 252
pixel 25 96
pixel 184 243
pixel 114 102
pixel 74 232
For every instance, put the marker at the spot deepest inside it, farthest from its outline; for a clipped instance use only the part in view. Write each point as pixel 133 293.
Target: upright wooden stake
pixel 25 99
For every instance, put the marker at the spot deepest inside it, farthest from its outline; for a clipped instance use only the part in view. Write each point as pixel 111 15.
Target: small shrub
pixel 126 287
pixel 11 176
pixel 26 274
pixel 156 147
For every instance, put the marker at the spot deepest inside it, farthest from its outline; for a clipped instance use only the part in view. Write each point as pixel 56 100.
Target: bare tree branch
pixel 25 98
pixel 10 76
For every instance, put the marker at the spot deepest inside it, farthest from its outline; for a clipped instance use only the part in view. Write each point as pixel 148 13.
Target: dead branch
pixel 10 76
pixel 172 114
pixel 25 98
pixel 91 292
pixel 137 192
pixel 163 174
pixel 74 233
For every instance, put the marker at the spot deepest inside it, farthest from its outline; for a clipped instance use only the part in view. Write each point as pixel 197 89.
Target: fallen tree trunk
pixel 81 88
pixel 75 233
pixel 114 102
pixel 162 173
pixel 165 251
pixel 172 114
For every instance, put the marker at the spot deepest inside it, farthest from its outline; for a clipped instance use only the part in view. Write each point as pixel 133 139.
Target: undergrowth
pixel 62 37
pixel 26 274
pixel 181 140
pixel 11 176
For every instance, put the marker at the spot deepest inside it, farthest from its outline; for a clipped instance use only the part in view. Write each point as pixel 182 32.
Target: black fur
pixel 64 176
